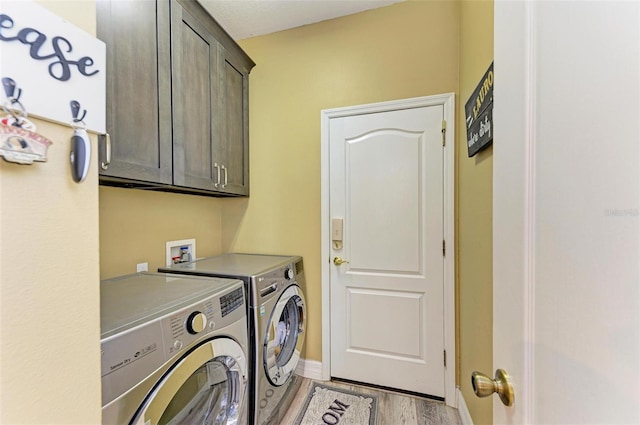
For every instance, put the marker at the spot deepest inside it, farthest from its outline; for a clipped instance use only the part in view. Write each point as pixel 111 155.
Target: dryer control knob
pixel 288 274
pixel 196 322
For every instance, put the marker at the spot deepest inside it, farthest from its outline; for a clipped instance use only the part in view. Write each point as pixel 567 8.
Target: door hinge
pixel 444 248
pixel 445 358
pixel 444 132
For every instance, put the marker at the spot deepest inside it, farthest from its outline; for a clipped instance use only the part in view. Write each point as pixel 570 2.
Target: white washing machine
pixel 174 350
pixel 277 323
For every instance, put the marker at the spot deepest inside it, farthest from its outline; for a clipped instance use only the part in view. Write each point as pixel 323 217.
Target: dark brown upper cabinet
pixel 177 99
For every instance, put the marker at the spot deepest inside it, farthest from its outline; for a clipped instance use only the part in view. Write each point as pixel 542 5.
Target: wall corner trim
pixel 463 411
pixel 311 369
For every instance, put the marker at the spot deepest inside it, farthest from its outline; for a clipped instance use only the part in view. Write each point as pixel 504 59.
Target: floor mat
pixel 336 406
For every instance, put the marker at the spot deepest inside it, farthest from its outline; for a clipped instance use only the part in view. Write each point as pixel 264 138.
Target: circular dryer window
pixel 207 396
pixel 204 392
pixel 285 336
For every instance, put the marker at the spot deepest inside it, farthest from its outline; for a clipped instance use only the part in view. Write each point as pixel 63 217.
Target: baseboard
pixel 311 369
pixel 463 411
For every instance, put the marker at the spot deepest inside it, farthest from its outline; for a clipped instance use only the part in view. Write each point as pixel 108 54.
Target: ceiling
pixel 250 18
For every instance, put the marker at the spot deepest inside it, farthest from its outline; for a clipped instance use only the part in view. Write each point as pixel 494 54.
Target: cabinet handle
pixel 107 140
pixel 225 176
pixel 217 168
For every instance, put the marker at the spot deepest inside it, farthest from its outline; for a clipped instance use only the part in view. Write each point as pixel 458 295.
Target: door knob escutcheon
pixel 338 261
pixel 484 386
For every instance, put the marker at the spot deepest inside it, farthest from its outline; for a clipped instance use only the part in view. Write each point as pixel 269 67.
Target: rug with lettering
pixel 336 406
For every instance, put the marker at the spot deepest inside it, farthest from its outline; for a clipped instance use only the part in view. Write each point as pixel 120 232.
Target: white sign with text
pixel 53 63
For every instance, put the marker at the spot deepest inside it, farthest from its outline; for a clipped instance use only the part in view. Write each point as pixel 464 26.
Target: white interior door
pixel 566 199
pixel 386 191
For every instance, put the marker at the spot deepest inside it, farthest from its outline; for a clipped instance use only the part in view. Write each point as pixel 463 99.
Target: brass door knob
pixel 484 386
pixel 339 261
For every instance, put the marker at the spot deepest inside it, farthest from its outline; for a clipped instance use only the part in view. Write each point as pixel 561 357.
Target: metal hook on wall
pixel 75 111
pixel 10 88
pixel 19 142
pixel 17 113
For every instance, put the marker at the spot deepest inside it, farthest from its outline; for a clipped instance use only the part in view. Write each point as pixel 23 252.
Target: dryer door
pixel 285 336
pixel 208 385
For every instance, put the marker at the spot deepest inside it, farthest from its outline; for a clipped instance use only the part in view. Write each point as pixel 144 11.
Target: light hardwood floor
pixel 393 408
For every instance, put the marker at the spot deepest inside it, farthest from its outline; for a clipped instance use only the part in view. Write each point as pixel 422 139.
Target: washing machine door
pixel 284 337
pixel 207 386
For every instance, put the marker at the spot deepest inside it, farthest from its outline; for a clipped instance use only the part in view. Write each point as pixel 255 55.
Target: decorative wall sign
pixel 53 62
pixel 479 114
pixel 19 142
pixel 22 146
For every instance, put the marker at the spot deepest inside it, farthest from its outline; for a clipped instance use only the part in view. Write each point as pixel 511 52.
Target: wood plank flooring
pixel 393 408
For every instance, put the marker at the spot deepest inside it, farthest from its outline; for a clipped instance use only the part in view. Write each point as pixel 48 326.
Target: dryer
pixel 174 350
pixel 277 323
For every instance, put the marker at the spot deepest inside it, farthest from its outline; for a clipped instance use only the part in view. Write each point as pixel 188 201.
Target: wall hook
pixel 75 111
pixel 17 114
pixel 10 88
pixel 80 152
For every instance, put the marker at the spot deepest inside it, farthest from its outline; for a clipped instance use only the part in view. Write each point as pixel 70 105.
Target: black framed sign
pixel 479 115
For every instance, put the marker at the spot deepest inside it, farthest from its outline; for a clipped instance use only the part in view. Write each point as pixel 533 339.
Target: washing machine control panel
pixel 184 327
pixel 196 322
pixel 273 281
pixel 288 273
pixel 232 301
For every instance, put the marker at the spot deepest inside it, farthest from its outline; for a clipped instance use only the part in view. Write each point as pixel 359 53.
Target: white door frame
pixel 448 102
pixel 514 185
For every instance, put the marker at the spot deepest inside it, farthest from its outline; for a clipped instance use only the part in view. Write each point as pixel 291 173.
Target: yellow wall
pixel 49 282
pixel 409 49
pixel 474 216
pixel 136 224
pixel 405 50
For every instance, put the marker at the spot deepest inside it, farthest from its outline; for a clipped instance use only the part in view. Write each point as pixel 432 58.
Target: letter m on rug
pixel 336 410
pixel 338 407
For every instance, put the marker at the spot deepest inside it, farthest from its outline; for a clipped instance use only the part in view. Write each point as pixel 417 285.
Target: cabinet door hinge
pixel 445 358
pixel 444 132
pixel 444 248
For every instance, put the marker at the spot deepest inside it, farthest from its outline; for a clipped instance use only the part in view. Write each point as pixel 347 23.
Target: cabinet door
pixel 136 34
pixel 196 132
pixel 234 148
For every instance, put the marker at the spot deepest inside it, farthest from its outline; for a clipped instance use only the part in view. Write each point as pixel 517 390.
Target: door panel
pixel 196 100
pixel 137 53
pixel 234 146
pixel 566 198
pixel 195 135
pixel 386 182
pixel 383 165
pixel 371 329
